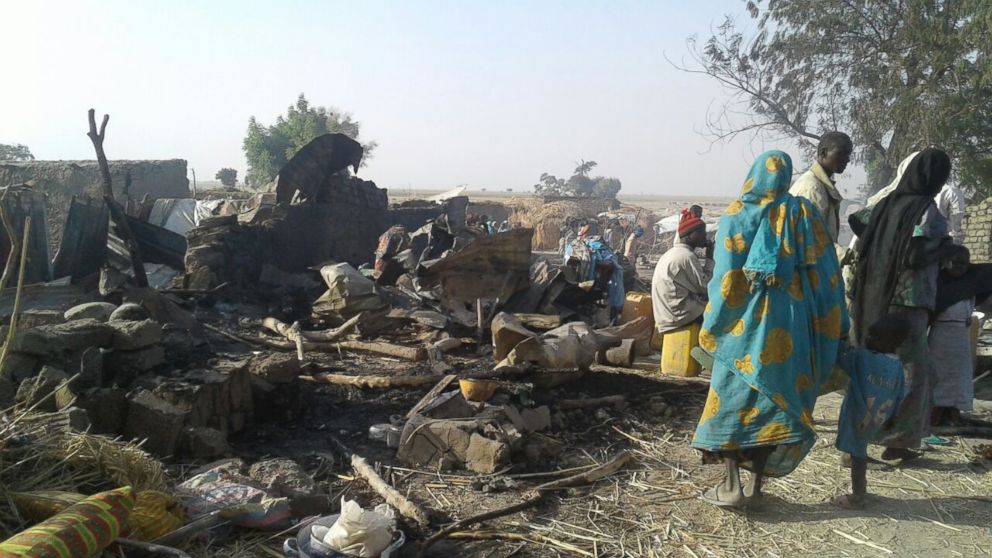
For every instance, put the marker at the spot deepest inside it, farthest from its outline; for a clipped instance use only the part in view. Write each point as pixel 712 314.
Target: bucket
pixel 305 546
pixel 477 390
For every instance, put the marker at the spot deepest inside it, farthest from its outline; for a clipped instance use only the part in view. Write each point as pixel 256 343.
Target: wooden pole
pixel 8 270
pixel 12 330
pixel 117 213
pixel 361 466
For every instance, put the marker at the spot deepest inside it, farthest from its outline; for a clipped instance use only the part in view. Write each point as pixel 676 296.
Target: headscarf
pixel 885 240
pixel 775 315
pixel 689 222
pixel 884 192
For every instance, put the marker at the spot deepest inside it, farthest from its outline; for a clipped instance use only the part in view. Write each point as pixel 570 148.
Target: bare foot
pixel 720 497
pixel 752 499
pixel 850 501
pixel 900 454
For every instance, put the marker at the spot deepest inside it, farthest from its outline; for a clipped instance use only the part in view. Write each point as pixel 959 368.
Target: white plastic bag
pixel 359 532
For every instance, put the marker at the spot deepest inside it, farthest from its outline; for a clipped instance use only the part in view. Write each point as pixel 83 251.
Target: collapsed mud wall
pixel 61 180
pixel 414 217
pixel 494 211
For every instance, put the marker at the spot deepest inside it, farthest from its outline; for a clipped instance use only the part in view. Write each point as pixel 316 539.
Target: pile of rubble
pixel 259 301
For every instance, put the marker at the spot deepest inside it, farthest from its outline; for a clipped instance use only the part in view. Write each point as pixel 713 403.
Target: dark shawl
pixel 885 240
pixel 975 283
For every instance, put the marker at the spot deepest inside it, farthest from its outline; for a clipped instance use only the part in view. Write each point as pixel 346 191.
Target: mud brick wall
pixel 495 211
pixel 415 217
pixel 343 228
pixel 978 232
pixel 61 180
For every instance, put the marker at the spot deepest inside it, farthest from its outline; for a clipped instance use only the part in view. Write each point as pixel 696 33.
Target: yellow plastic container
pixel 676 357
pixel 637 305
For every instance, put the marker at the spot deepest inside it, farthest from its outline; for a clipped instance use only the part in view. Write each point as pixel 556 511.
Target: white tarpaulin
pixel 176 215
pixel 182 214
pixel 453 193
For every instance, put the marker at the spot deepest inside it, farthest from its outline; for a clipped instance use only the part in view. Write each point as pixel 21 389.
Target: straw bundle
pixel 38 451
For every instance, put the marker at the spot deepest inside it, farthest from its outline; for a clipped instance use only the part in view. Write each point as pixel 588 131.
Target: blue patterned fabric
pixel 774 321
pixel 873 393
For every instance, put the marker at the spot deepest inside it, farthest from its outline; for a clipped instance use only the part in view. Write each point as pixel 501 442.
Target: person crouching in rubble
pixel 773 327
pixel 591 260
pixel 678 287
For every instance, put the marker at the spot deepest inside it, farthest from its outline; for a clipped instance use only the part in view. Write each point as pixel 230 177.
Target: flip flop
pixel 936 441
pixel 910 456
pixel 712 496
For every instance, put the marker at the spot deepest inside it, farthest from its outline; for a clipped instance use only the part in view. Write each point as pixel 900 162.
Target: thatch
pixel 38 451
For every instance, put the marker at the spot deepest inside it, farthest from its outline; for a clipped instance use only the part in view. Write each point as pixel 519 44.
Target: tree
pixel 580 184
pixel 268 148
pixel 15 152
pixel 550 185
pixel 897 75
pixel 606 187
pixel 228 177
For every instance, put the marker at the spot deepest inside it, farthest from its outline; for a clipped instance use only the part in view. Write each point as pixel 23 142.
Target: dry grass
pixel 940 506
pixel 38 451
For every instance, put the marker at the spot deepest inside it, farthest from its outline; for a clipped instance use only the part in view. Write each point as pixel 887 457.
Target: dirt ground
pixel 938 506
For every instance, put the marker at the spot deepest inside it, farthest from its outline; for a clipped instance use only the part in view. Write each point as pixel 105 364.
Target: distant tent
pixel 453 193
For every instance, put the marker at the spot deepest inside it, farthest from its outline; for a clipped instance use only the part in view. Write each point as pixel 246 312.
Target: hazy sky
pixel 488 94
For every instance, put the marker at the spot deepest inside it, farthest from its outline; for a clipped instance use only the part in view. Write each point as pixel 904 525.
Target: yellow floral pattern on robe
pixel 748 415
pixel 734 288
pixel 773 312
pixel 744 365
pixel 735 244
pixel 712 406
pixel 778 347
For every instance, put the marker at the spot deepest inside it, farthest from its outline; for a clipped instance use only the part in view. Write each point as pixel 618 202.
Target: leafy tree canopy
pixel 268 148
pixel 897 75
pixel 228 177
pixel 580 184
pixel 15 152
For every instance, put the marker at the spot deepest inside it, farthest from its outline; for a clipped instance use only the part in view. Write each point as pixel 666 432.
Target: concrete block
pixel 485 455
pixel 153 419
pixel 134 335
pixel 107 409
pixel 35 318
pixel 54 340
pixel 124 366
pixel 41 389
pixel 204 443
pixel 275 368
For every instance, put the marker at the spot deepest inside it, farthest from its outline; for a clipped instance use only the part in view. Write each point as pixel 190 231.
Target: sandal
pixel 712 496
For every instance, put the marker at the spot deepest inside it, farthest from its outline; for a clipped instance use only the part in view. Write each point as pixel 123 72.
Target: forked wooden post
pixel 116 211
